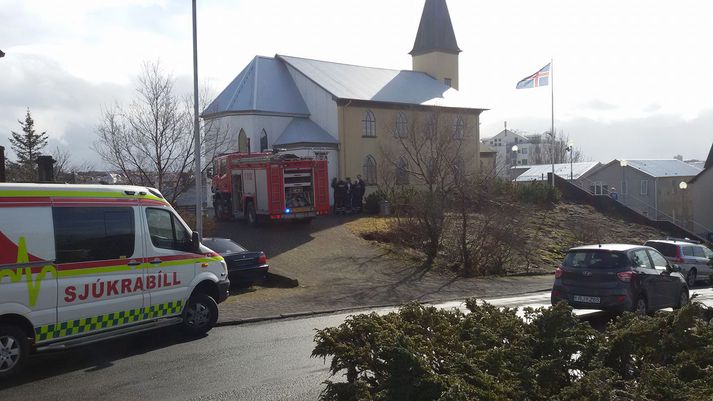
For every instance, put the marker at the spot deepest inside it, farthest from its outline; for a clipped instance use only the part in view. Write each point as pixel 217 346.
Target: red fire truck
pixel 273 186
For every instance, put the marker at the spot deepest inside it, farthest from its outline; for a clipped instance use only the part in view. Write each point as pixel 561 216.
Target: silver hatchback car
pixel 693 258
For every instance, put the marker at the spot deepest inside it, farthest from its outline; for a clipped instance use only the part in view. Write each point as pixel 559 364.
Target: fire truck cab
pixel 275 186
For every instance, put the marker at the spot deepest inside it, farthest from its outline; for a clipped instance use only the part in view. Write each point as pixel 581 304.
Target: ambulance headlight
pixel 225 267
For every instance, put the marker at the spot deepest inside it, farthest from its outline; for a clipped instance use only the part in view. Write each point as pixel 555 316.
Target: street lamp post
pixel 624 187
pixel 196 132
pixel 570 149
pixel 514 158
pixel 683 186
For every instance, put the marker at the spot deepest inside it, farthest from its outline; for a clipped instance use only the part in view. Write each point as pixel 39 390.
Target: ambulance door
pixel 28 284
pixel 169 261
pixel 99 250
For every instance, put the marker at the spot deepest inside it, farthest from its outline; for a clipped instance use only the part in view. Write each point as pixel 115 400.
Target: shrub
pixel 426 353
pixel 371 202
pixel 538 192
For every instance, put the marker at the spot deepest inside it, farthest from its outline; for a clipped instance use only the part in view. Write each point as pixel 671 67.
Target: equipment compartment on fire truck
pixel 269 185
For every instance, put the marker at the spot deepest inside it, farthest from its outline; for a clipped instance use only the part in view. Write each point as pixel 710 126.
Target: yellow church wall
pixel 354 146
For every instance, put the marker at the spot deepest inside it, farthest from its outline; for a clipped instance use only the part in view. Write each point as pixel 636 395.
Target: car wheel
pixel 641 307
pixel 200 314
pixel 252 215
pixel 682 299
pixel 14 350
pixel 691 278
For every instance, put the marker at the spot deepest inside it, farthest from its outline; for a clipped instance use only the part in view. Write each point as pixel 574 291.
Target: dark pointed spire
pixel 709 161
pixel 435 32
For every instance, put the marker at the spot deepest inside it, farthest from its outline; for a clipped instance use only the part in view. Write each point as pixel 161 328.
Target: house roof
pixel 485 148
pixel 354 82
pixel 708 166
pixel 663 167
pixel 263 87
pixel 304 131
pixel 435 31
pixel 540 171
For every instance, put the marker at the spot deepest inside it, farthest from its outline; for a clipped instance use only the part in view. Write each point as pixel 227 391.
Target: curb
pixel 258 319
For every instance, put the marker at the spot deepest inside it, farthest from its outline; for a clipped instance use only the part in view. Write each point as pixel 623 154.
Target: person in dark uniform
pixel 340 194
pixel 358 202
pixel 349 195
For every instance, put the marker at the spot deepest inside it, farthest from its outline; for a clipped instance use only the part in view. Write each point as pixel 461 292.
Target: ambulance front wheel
pixel 14 350
pixel 200 314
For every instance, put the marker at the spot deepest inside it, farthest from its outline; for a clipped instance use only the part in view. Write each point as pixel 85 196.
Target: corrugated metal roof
pixel 263 87
pixel 303 131
pixel 435 31
pixel 346 81
pixel 663 167
pixel 539 172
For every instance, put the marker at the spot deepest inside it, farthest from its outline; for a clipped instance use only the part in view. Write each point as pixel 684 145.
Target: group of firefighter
pixel 348 195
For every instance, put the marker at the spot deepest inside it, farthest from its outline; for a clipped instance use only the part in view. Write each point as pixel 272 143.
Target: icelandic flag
pixel 540 78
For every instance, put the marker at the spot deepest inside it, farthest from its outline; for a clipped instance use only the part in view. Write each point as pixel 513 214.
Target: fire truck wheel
pixel 252 215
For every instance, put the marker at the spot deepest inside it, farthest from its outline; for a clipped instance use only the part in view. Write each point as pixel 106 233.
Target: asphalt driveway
pixel 337 270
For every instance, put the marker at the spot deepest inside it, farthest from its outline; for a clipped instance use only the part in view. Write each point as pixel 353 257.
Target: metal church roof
pixel 435 31
pixel 354 82
pixel 263 87
pixel 304 131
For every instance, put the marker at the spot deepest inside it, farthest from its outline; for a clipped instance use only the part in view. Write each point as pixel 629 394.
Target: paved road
pixel 263 361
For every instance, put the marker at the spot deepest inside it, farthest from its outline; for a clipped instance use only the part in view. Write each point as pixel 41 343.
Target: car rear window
pixel 668 250
pixel 594 259
pixel 223 246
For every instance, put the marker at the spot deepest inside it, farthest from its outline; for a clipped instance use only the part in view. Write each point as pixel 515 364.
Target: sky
pixel 631 78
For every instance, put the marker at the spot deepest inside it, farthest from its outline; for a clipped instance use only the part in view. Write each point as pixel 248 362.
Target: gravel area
pixel 338 270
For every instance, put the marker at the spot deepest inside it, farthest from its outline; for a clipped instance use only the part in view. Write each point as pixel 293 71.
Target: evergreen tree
pixel 27 145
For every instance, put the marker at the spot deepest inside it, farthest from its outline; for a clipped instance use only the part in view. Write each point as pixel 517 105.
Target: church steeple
pixel 435 50
pixel 435 32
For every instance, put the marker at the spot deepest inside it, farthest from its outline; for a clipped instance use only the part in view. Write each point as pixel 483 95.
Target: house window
pixel 644 188
pixel 369 170
pixel 598 188
pixel 368 124
pixel 243 141
pixel 448 81
pixel 263 141
pixel 401 125
pixel 402 171
pixel 431 126
pixel 459 128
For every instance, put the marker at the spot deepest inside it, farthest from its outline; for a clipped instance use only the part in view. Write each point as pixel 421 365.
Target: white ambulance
pixel 84 263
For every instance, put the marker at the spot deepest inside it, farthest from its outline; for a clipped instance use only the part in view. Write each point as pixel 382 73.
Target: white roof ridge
pixel 352 65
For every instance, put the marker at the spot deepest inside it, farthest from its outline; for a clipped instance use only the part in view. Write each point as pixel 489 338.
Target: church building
pixel 347 113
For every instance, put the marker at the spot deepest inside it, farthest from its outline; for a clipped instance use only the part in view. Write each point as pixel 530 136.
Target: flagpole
pixel 552 130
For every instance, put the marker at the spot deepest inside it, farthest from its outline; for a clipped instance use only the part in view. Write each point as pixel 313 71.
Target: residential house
pixel 650 187
pixel 347 114
pixel 701 190
pixel 574 172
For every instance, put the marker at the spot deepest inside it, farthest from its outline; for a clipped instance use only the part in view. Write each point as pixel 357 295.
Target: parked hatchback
pixel 619 277
pixel 693 258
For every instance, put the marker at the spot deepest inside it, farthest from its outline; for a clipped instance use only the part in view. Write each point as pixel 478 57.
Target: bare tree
pixel 423 163
pixel 558 145
pixel 150 141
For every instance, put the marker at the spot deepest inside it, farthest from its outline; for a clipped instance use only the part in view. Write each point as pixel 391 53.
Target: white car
pixel 83 263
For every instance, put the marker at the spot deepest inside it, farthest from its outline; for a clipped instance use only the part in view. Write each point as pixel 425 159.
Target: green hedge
pixel 425 353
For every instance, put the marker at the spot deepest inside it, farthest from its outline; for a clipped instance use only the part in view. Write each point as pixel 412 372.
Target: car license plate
pixel 585 299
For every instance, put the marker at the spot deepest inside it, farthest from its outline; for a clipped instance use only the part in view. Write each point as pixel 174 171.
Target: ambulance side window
pixel 166 230
pixel 85 234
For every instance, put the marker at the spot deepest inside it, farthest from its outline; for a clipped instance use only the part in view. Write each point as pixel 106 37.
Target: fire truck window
pixel 166 230
pixel 93 233
pixel 222 166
